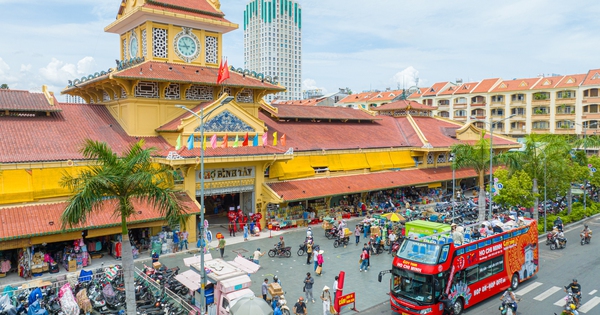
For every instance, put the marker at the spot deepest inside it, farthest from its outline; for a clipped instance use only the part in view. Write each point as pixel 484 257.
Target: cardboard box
pixel 375 230
pixel 45 267
pixel 72 265
pixel 156 265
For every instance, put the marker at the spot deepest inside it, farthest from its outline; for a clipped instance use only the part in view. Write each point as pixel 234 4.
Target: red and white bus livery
pixel 425 268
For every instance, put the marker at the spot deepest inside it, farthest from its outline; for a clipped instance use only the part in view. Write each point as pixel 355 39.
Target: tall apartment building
pixel 273 44
pixel 559 104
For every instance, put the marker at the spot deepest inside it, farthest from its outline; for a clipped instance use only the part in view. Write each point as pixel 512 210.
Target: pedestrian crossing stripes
pixel 547 293
pixel 553 292
pixel 589 305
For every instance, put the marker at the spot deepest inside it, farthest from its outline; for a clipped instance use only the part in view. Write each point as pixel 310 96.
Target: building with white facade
pixel 273 44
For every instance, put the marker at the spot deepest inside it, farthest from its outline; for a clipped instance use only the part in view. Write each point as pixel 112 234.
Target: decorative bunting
pixel 245 142
pixel 213 141
pixel 190 142
pixel 275 138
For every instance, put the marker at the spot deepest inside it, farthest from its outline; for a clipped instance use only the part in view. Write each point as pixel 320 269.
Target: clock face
pixel 133 46
pixel 187 46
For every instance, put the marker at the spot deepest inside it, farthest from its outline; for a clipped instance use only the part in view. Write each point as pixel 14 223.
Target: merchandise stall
pixel 286 216
pixel 8 262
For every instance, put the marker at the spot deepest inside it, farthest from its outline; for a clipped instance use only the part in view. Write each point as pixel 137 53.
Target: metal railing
pixel 160 289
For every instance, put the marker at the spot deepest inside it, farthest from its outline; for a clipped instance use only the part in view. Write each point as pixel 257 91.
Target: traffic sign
pixel 590 165
pixel 500 186
pixel 593 169
pixel 493 189
pixel 495 179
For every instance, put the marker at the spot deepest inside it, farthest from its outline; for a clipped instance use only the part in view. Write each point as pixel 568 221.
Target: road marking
pixel 592 293
pixel 547 293
pixel 589 305
pixel 528 288
pixel 562 302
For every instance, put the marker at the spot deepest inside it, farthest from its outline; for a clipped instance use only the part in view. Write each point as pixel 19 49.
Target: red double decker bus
pixel 425 268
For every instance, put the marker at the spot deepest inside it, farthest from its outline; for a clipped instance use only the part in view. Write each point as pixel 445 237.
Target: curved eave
pixel 273 88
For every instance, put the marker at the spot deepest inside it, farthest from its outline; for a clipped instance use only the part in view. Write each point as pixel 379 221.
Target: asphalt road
pixel 542 294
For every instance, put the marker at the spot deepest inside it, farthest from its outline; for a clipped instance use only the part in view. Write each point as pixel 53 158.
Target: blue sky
pixel 346 43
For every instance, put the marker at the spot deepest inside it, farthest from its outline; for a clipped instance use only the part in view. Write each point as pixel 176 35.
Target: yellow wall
pixel 27 185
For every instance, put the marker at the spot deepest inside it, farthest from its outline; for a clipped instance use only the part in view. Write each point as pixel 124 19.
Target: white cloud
pixel 4 67
pixel 406 78
pixel 25 68
pixel 310 84
pixel 58 72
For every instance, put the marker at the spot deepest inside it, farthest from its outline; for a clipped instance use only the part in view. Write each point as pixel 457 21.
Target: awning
pixel 379 161
pixel 244 264
pixel 402 159
pixel 318 161
pixel 351 184
pixel 354 161
pixel 196 259
pixel 334 163
pixel 298 167
pixel 434 185
pixel 190 279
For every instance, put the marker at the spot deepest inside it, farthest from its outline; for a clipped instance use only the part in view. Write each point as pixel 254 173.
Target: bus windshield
pixel 413 286
pixel 420 252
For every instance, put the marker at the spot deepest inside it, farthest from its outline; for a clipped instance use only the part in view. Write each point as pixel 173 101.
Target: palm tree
pixel 476 156
pixel 133 176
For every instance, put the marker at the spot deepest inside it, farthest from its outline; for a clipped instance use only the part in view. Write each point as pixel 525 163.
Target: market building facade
pixel 259 159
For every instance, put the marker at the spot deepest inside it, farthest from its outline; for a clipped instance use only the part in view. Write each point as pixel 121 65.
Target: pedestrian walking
pixel 265 288
pixel 336 288
pixel 364 260
pixel 300 307
pixel 183 240
pixel 175 241
pixel 256 256
pixel 368 249
pixel 222 245
pixel 357 234
pixel 309 251
pixel 308 287
pixel 326 298
pixel 319 260
pixel 245 233
pixel 230 226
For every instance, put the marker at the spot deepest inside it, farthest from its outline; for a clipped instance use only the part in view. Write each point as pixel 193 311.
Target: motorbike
pixel 283 252
pixel 586 238
pixel 341 241
pixel 570 300
pixel 562 243
pixel 331 233
pixel 506 309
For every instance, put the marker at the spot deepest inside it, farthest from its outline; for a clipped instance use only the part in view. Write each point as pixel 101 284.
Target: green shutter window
pixel 300 18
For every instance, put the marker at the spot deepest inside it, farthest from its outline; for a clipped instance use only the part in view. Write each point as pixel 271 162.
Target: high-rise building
pixel 273 43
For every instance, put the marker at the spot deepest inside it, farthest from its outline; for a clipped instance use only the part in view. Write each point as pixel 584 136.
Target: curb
pixel 571 226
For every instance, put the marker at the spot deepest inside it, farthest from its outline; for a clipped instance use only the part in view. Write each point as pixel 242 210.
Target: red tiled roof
pixel 173 124
pixel 450 90
pixel 592 77
pixel 402 104
pixel 465 88
pixel 59 137
pixel 435 89
pixel 320 112
pixel 25 101
pixel 571 80
pixel 343 185
pixel 485 85
pixel 418 93
pixel 163 71
pixel 515 85
pixel 34 219
pixel 187 5
pixel 307 136
pixel 408 132
pixel 231 151
pixel 360 97
pixel 386 95
pixel 437 131
pixel 547 83
pixel 307 102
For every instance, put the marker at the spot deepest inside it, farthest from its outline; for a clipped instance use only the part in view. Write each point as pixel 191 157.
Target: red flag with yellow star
pixel 223 72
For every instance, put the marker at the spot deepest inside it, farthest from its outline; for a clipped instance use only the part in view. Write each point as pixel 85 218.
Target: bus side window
pixel 472 275
pixel 444 255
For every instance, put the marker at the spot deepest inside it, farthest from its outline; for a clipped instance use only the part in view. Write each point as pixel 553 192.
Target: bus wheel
pixel 514 282
pixel 458 306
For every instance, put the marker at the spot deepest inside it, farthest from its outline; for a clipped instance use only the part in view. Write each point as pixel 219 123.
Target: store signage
pixel 347 299
pixel 222 174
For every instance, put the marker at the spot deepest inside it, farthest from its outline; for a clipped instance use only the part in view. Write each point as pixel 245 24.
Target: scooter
pixel 562 243
pixel 284 252
pixel 506 309
pixel 343 241
pixel 586 238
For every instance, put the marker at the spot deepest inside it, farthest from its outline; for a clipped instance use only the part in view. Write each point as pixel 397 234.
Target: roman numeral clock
pixel 187 45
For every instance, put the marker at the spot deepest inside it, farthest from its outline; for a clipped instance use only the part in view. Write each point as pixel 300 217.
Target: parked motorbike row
pixel 96 294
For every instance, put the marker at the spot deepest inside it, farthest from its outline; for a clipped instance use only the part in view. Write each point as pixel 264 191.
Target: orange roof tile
pixel 402 104
pixel 418 93
pixel 59 136
pixel 571 80
pixel 44 219
pixel 386 95
pixel 163 71
pixel 360 97
pixel 515 85
pixel 25 101
pixel 307 102
pixel 230 150
pixel 343 185
pixel 321 112
pixel 592 77
pixel 547 83
pixel 465 88
pixel 435 89
pixel 451 89
pixel 485 85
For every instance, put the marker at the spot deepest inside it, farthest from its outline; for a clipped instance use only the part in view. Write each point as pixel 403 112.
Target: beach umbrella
pixel 251 306
pixel 394 217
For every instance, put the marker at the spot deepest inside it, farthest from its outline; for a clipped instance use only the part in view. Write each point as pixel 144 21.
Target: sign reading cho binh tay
pixel 221 174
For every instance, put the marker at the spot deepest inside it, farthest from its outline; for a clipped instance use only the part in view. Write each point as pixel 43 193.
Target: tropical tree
pixel 517 188
pixel 476 156
pixel 119 181
pixel 4 86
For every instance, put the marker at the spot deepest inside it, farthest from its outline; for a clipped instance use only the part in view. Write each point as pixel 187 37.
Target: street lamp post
pixel 492 123
pixel 453 184
pixel 201 232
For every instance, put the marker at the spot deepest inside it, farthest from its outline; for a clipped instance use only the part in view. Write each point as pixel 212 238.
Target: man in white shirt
pixel 256 256
pixel 392 238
